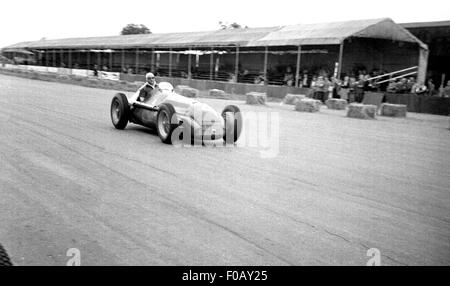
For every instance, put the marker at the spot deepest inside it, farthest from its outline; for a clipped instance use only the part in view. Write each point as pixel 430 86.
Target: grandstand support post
pixel 152 61
pixel 69 58
pixel 189 64
pixel 422 67
pixel 216 67
pixel 341 52
pixel 122 60
pixel 211 63
pixel 54 58
pixel 236 64
pixel 88 60
pixel 170 62
pixel 137 61
pixel 99 60
pixel 266 57
pixel 297 68
pixel 111 61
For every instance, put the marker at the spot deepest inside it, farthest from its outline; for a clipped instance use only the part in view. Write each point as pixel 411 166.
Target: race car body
pixel 176 117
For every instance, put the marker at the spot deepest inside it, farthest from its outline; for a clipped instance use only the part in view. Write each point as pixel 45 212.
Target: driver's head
pixel 150 78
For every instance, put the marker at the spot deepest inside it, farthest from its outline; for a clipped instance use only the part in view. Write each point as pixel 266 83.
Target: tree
pixel 234 25
pixel 133 29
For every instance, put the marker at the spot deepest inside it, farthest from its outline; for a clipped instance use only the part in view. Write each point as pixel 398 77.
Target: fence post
pixel 88 60
pixel 266 58
pixel 236 64
pixel 111 61
pixel 211 63
pixel 137 61
pixel 70 58
pixel 297 71
pixel 189 64
pixel 170 62
pixel 122 60
pixel 341 52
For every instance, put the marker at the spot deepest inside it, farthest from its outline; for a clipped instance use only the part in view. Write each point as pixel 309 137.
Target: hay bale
pixel 217 93
pixel 186 91
pixel 91 80
pixel 64 77
pixel 393 110
pixel 308 105
pixel 75 78
pixel 361 111
pixel 292 99
pixel 256 98
pixel 336 103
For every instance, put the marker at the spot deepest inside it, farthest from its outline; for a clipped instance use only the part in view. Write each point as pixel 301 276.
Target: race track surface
pixel 337 187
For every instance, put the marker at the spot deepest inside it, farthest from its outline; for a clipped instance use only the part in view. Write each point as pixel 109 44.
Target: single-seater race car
pixel 176 117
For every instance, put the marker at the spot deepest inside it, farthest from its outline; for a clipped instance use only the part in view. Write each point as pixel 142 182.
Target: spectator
pixel 289 77
pixel 336 87
pixel 359 88
pixel 418 88
pixel 320 88
pixel 402 86
pixel 313 81
pixel 446 91
pixel 410 82
pixel 260 79
pixel 344 88
pixel 96 70
pixel 231 77
pixel 430 87
pixel 392 87
pixel 305 79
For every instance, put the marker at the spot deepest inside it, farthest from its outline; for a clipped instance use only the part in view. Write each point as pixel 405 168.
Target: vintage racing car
pixel 176 117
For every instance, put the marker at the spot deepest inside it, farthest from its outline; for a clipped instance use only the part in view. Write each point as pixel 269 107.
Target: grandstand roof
pixel 303 34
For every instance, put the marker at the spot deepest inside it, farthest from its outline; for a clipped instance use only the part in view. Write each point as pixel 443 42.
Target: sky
pixel 33 20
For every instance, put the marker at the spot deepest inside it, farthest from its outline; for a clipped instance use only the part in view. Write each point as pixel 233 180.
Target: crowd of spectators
pixel 350 86
pixel 353 85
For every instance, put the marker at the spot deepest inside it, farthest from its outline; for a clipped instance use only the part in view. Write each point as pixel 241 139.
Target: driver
pixel 148 89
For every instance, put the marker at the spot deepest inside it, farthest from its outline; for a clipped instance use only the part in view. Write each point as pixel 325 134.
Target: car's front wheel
pixel 164 122
pixel 120 111
pixel 232 123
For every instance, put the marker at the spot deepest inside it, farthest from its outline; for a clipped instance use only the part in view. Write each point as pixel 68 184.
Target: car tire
pixel 236 123
pixel 164 122
pixel 120 111
pixel 4 258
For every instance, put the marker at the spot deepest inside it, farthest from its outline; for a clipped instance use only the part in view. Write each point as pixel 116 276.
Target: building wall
pixel 383 55
pixel 438 40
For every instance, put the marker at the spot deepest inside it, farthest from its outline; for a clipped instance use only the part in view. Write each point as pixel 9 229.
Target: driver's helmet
pixel 165 86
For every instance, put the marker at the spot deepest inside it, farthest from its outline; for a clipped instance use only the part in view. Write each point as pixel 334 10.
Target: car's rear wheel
pixel 4 258
pixel 164 122
pixel 120 111
pixel 232 123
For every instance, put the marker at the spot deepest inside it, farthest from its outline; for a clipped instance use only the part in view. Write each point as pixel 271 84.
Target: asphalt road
pixel 336 188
